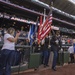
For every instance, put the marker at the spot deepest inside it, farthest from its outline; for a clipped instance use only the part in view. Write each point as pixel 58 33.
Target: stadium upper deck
pixel 27 11
pixel 67 6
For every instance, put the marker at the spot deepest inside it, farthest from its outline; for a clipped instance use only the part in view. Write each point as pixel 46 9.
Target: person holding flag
pixel 44 30
pixel 46 51
pixel 55 47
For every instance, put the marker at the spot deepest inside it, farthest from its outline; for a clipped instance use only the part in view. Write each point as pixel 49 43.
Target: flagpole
pixel 51 5
pixel 45 28
pixel 37 25
pixel 50 12
pixel 44 18
pixel 35 29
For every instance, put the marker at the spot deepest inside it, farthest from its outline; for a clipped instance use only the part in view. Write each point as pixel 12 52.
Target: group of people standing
pixel 7 52
pixel 50 43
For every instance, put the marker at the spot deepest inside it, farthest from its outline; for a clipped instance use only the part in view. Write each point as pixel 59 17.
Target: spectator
pixel 7 52
pixel 71 51
pixel 55 47
pixel 63 41
pixel 74 48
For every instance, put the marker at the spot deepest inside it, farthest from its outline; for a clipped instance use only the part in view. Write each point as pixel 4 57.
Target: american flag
pixel 46 27
pixel 39 30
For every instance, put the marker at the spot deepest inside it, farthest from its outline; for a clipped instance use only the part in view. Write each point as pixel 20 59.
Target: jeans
pixel 45 58
pixel 6 61
pixel 54 49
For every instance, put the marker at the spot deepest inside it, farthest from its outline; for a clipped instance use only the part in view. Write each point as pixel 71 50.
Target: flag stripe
pixel 45 33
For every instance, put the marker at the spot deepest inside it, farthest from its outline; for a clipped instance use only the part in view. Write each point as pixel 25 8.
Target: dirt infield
pixel 65 70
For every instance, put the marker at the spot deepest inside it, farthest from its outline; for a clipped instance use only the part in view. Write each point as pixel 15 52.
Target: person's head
pixel 11 31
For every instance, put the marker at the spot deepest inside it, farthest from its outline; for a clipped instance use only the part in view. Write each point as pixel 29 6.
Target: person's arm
pixel 14 39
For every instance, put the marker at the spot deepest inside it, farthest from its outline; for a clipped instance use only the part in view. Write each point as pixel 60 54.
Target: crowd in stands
pixel 24 35
pixel 67 40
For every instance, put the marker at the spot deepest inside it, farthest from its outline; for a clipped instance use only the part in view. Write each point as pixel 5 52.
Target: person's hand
pixel 56 41
pixel 49 46
pixel 18 34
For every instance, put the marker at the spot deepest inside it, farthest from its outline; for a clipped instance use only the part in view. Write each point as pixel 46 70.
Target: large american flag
pixel 45 28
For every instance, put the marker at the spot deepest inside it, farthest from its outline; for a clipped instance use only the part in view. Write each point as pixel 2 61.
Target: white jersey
pixel 71 49
pixel 7 44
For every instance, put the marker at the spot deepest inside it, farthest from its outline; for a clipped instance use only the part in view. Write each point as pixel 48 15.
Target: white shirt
pixel 71 49
pixel 7 44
